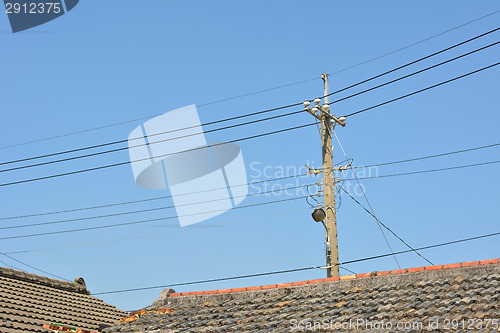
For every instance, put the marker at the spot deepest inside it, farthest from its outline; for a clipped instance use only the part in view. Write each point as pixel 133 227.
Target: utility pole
pixel 329 185
pixel 322 113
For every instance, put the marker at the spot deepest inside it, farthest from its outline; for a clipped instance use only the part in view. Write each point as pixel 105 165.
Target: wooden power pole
pixel 329 185
pixel 322 113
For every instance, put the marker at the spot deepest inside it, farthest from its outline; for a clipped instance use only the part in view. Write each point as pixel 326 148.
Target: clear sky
pixel 109 62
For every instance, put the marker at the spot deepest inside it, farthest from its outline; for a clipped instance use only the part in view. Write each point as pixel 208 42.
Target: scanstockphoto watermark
pixel 472 324
pixel 359 324
pixel 27 14
pixel 171 151
pixel 292 179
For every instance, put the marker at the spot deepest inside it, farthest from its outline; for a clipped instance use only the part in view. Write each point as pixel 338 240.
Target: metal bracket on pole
pixel 340 120
pixel 313 113
pixel 324 113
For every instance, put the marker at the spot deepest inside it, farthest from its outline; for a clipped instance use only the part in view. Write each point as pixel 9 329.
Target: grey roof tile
pixel 31 301
pixel 419 297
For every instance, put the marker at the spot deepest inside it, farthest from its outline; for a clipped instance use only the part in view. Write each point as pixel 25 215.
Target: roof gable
pixel 28 301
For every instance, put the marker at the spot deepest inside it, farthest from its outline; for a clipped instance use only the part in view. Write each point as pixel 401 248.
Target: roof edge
pixel 43 280
pixel 341 278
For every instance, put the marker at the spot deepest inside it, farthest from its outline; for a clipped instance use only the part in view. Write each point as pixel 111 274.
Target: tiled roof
pixel 28 301
pixel 455 297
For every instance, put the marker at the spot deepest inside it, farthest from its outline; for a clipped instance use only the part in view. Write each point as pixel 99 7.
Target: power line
pixel 427 171
pixel 146 221
pixel 414 73
pixel 424 89
pixel 141 145
pixel 350 271
pixel 413 44
pixel 148 210
pixel 296 269
pixel 257 182
pixel 252 114
pixel 258 112
pixel 146 200
pixel 241 124
pixel 255 113
pixel 366 198
pixel 389 229
pixel 9 266
pixel 33 267
pixel 281 178
pixel 360 111
pixel 259 91
pixel 210 280
pixel 417 61
pixel 158 233
pixel 127 162
pixel 427 157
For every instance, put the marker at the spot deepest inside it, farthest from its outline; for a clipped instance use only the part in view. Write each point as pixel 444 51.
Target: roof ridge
pixel 43 280
pixel 340 278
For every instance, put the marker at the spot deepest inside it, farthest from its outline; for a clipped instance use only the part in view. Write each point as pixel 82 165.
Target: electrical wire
pixel 144 200
pixel 311 195
pixel 210 280
pixel 146 221
pixel 424 89
pixel 413 44
pixel 419 60
pixel 366 198
pixel 148 210
pixel 276 179
pixel 389 229
pixel 157 234
pixel 33 267
pixel 297 269
pixel 9 266
pixel 427 171
pixel 139 145
pixel 263 90
pixel 414 73
pixel 231 126
pixel 352 272
pixel 254 113
pixel 428 156
pixel 128 162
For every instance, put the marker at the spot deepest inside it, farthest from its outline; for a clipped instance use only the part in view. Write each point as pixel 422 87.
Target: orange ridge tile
pixel 398 271
pixel 254 288
pixel 490 261
pixel 269 286
pixel 210 292
pixel 416 269
pixel 345 277
pixel 433 268
pixel 299 283
pixel 470 263
pixel 363 275
pixel 224 291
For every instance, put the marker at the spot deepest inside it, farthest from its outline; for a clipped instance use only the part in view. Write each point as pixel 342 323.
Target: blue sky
pixel 114 61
